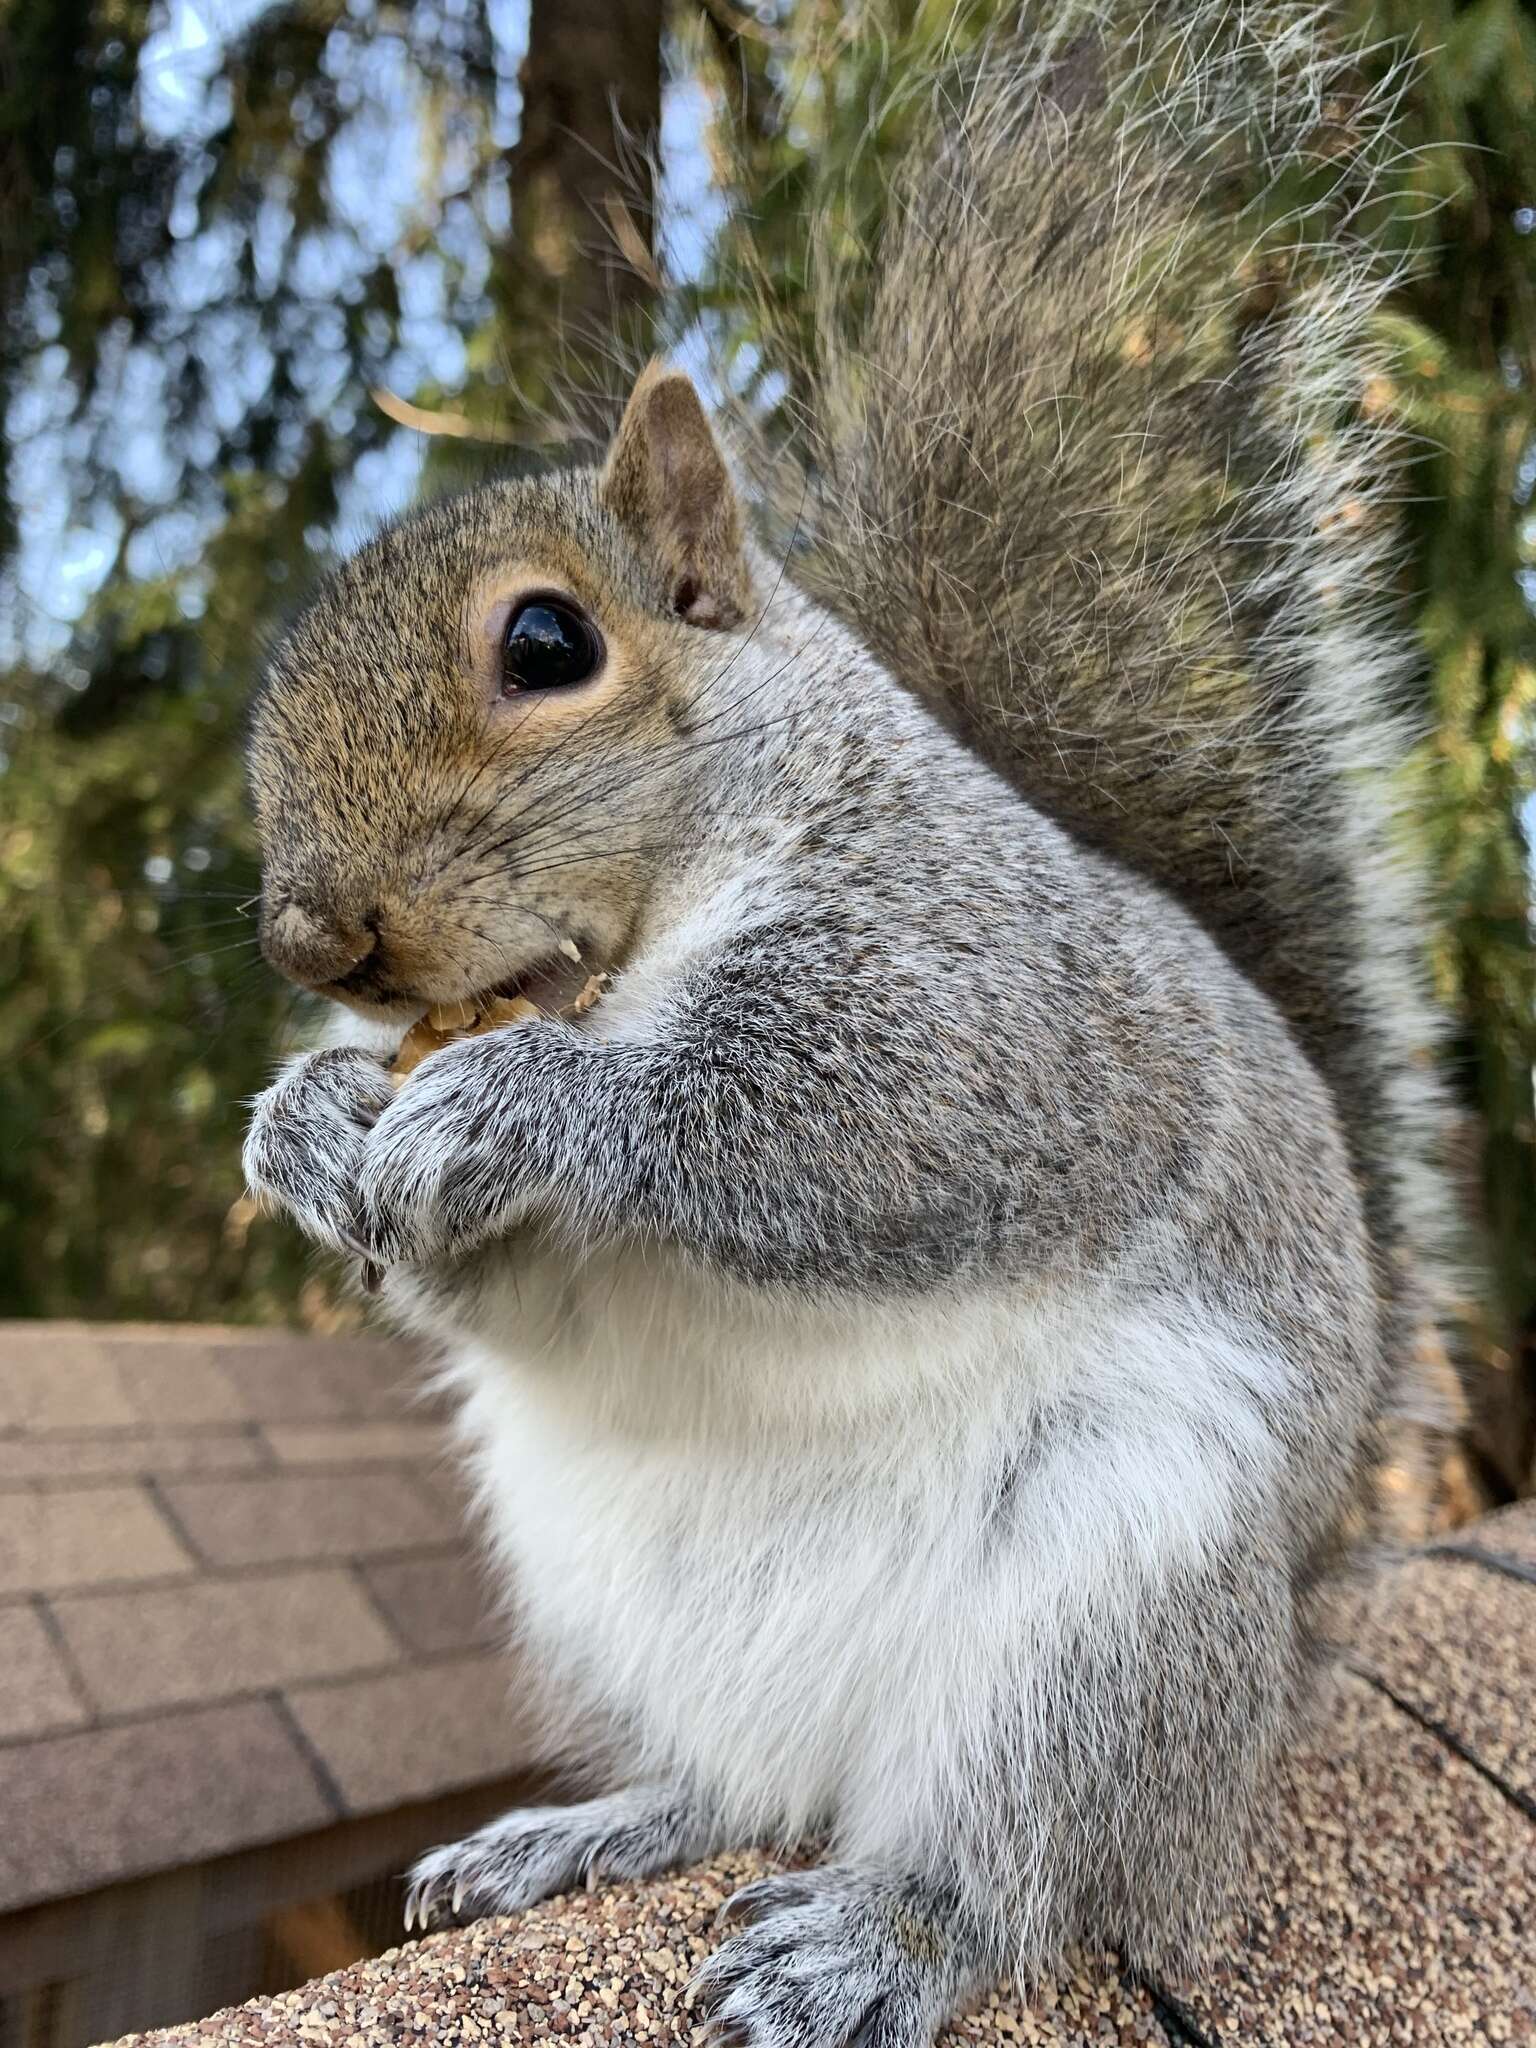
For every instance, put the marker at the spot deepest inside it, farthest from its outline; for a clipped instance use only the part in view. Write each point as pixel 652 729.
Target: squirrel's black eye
pixel 548 644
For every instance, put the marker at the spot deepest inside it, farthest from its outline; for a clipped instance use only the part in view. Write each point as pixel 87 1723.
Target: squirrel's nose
pixel 314 947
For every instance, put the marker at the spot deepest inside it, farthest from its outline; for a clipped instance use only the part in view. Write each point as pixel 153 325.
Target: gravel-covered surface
pixel 609 1966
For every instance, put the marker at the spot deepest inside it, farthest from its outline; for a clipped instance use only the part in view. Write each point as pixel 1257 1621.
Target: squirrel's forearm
pixel 722 1149
pixel 664 1142
pixel 782 1157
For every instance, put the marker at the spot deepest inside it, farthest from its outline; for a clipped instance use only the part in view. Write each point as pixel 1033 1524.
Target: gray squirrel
pixel 925 1338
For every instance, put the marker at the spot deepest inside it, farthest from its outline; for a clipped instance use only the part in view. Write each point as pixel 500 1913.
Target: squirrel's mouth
pixel 550 983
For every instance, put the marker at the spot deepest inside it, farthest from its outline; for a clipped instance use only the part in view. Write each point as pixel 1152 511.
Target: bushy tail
pixel 1095 474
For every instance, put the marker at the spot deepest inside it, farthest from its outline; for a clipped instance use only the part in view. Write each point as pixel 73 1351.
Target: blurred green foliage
pixel 134 1015
pixel 1465 386
pixel 197 254
pixel 1463 335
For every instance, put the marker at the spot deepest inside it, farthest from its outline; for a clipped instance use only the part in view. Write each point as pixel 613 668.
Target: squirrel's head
pixel 467 750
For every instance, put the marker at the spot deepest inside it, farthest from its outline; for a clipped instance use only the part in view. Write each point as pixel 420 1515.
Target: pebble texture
pixel 1476 1686
pixel 1395 1906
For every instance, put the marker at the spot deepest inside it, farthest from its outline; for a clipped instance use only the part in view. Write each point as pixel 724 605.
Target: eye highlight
pixel 548 645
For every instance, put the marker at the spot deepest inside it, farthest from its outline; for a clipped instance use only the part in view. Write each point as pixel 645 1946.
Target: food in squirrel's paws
pixel 446 1023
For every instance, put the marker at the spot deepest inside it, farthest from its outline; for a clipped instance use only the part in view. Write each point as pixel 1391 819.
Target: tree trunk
pixel 580 265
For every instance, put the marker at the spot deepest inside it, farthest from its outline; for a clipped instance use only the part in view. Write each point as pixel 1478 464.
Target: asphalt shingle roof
pixel 235 1591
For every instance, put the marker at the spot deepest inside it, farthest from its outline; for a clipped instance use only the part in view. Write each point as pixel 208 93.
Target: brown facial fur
pixel 427 838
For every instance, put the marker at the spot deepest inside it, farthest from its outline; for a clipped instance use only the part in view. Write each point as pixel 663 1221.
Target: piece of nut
pixel 446 1023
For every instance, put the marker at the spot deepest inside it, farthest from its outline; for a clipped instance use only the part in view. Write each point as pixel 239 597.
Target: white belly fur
pixel 767 1539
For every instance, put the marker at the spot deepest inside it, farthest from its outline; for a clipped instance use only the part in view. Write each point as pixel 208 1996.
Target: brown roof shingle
pixel 354 1443
pixel 238 1557
pixel 134 1454
pixel 220 1637
pixel 52 1541
pixel 1394 1904
pixel 37 1695
pixel 87 1809
pixel 1509 1535
pixel 1476 1688
pixel 60 1376
pixel 407 1734
pixel 432 1602
pixel 273 1516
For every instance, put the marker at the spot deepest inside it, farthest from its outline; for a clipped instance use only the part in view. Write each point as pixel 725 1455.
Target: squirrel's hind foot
pixel 835 1958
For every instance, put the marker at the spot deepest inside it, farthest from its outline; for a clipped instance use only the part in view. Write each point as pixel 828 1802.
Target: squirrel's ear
pixel 666 479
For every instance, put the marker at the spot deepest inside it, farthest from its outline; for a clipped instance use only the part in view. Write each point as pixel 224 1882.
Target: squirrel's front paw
pixel 535 1851
pixel 304 1147
pixel 437 1177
